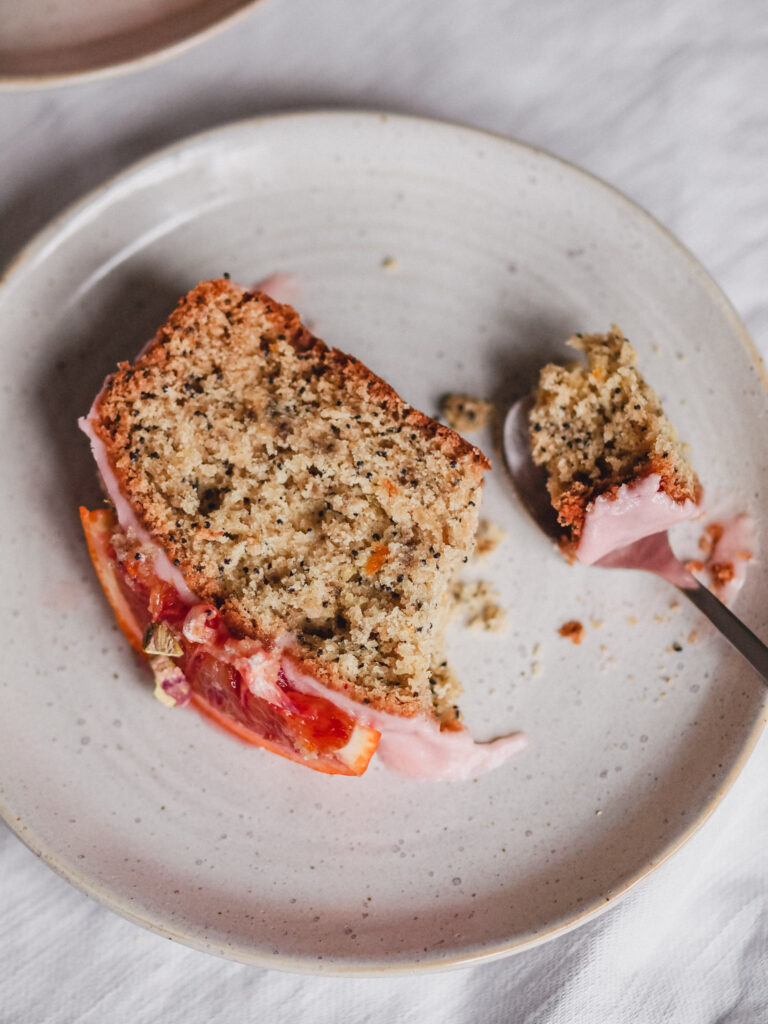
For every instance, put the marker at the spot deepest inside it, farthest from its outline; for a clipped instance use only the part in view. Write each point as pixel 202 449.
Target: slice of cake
pixel 287 532
pixel 616 470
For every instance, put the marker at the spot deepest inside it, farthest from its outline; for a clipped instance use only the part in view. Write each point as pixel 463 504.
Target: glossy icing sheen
pixel 415 748
pixel 637 510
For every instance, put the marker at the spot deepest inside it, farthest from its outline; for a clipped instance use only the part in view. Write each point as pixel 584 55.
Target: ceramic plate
pixel 447 260
pixel 48 42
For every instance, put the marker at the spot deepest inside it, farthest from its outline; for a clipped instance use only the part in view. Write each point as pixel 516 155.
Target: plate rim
pixel 10 83
pixel 301 963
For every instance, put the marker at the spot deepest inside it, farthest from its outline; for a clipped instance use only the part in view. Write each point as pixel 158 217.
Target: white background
pixel 666 101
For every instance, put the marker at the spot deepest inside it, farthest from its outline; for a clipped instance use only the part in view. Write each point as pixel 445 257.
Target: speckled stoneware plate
pixel 53 42
pixel 446 259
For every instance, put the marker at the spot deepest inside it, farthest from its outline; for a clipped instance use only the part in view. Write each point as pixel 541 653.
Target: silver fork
pixel 652 554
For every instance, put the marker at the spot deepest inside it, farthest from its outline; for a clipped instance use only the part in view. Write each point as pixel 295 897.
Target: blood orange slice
pixel 306 729
pixel 351 759
pixel 99 526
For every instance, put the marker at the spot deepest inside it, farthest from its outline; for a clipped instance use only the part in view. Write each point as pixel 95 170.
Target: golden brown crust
pixel 177 425
pixel 284 323
pixel 572 504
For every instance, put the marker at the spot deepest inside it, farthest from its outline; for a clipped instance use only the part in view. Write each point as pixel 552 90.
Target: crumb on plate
pixel 487 538
pixel 477 603
pixel 465 413
pixel 572 630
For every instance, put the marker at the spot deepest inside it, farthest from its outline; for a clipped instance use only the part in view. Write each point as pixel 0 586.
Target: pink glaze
pixel 415 747
pixel 638 510
pixel 125 514
pixel 653 554
pixel 280 286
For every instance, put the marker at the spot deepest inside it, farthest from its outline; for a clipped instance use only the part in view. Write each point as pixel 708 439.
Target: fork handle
pixel 731 627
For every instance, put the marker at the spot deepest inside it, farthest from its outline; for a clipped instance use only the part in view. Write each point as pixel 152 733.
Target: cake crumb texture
pixel 596 427
pixel 298 492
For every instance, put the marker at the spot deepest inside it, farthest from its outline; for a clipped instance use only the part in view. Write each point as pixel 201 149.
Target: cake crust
pixel 296 490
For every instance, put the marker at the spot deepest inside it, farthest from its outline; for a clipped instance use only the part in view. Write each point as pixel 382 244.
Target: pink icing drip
pixel 125 514
pixel 427 753
pixel 637 510
pixel 416 748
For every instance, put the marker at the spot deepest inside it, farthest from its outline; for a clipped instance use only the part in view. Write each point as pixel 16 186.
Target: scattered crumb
pixel 487 538
pixel 389 263
pixel 572 630
pixel 607 660
pixel 725 553
pixel 707 541
pixel 693 636
pixel 596 623
pixel 469 597
pixel 490 619
pixel 477 604
pixel 631 620
pixel 536 650
pixel 536 669
pixel 598 813
pixel 465 413
pixel 721 573
pixel 674 607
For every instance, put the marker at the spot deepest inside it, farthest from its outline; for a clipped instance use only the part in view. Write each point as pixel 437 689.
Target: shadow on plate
pixel 110 324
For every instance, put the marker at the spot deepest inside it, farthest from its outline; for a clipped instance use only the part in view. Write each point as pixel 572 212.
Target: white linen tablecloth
pixel 668 102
